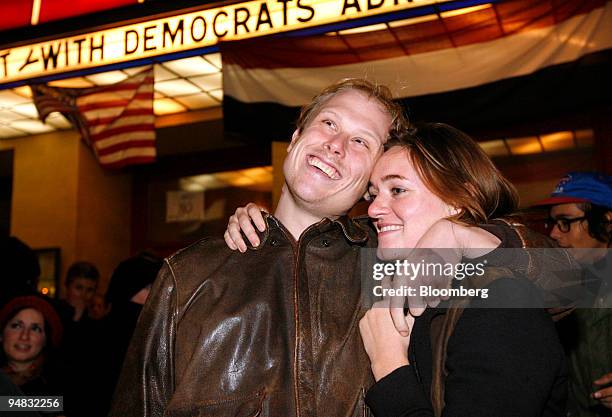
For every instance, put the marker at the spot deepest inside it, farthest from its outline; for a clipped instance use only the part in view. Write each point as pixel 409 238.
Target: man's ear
pixel 294 138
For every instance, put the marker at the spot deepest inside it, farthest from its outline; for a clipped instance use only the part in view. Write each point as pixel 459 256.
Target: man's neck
pixel 294 217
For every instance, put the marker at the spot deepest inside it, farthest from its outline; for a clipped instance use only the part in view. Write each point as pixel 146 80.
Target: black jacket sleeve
pixel 399 394
pixel 500 361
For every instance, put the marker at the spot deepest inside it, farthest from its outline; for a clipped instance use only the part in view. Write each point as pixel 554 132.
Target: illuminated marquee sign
pixel 184 32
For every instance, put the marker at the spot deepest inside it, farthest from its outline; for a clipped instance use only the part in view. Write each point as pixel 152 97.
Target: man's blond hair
pixel 380 93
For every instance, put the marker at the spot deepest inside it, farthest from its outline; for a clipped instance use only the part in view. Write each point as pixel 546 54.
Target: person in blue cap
pixel 580 210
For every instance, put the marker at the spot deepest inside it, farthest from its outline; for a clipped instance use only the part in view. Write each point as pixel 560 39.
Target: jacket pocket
pixel 243 406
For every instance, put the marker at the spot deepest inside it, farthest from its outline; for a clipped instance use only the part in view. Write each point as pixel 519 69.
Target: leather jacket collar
pixel 352 231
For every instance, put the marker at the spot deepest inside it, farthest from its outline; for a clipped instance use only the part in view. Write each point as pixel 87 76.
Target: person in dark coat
pixel 494 353
pixel 20 269
pixel 580 210
pixel 127 292
pixel 7 388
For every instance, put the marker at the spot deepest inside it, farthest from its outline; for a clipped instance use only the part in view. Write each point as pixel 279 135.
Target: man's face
pixel 80 292
pixel 330 161
pixel 578 234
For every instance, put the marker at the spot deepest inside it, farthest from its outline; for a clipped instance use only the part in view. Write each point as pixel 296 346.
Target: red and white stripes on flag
pixel 496 64
pixel 116 120
pixel 423 55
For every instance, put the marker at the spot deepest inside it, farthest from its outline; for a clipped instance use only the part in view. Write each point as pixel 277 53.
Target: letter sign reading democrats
pixel 184 32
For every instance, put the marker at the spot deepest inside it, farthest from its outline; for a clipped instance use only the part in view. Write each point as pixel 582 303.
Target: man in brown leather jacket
pixel 272 331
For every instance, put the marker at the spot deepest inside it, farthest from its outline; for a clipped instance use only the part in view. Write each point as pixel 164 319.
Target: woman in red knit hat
pixel 30 330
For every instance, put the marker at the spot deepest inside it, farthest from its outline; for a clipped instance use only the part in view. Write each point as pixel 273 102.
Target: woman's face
pixel 23 337
pixel 403 208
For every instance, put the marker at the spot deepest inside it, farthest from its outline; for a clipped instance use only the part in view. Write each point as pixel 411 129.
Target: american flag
pixel 116 121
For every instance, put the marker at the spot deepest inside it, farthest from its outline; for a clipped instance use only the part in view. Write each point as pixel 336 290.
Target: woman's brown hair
pixel 454 167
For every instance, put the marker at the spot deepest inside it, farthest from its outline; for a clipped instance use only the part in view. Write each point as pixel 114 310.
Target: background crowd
pixel 73 346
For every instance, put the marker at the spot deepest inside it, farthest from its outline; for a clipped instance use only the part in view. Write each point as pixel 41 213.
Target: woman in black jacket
pixel 493 354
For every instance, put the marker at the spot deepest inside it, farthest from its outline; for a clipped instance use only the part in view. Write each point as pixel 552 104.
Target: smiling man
pixel 274 331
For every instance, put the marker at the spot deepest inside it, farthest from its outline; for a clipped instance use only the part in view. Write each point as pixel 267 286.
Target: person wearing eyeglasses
pixel 580 218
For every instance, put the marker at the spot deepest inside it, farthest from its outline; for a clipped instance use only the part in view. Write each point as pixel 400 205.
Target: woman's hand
pixel 242 220
pixel 386 348
pixel 443 244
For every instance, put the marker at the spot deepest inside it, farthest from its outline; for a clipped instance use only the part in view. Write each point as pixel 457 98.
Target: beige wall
pixel 103 225
pixel 61 198
pixel 44 202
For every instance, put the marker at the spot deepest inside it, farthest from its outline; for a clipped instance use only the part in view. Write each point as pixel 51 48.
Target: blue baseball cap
pixel 581 187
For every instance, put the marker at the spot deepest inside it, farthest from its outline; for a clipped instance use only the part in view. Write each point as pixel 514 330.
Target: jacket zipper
pixel 296 255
